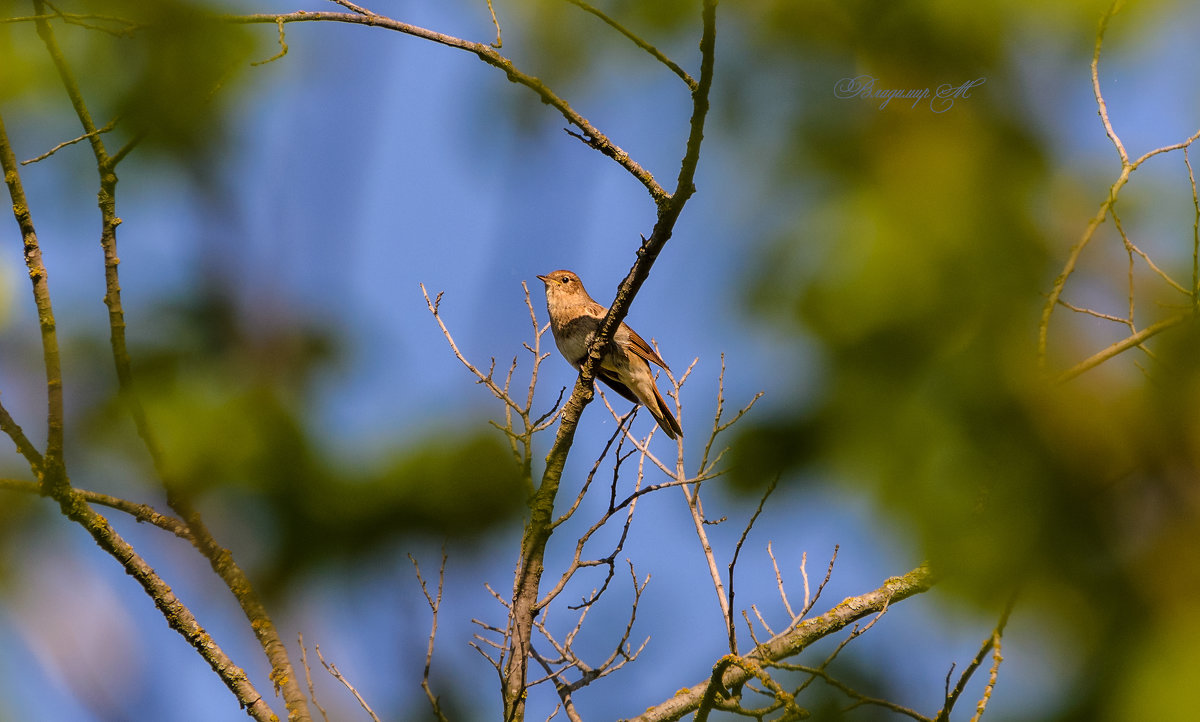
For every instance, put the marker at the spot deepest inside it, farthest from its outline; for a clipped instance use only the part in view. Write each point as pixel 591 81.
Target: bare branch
pixel 617 433
pixel 737 551
pixel 1195 234
pixel 750 625
pixel 141 512
pixel 1097 314
pixel 1136 339
pixel 1106 207
pixel 1132 248
pixel 992 642
pixel 1108 128
pixel 24 445
pixel 333 670
pixel 992 674
pixel 485 379
pixel 283 47
pixel 354 8
pixel 312 691
pixel 855 633
pixel 779 581
pixel 112 25
pixel 692 497
pixel 435 604
pixel 499 40
pixel 761 621
pixel 52 472
pixel 718 427
pixel 820 587
pixel 859 698
pixel 497 596
pixel 219 558
pixel 655 52
pixel 86 136
pixel 489 55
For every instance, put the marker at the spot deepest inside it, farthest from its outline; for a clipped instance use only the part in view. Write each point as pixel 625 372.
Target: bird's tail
pixel 662 414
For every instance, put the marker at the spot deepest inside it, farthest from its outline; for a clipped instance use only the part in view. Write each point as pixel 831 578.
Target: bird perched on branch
pixel 624 362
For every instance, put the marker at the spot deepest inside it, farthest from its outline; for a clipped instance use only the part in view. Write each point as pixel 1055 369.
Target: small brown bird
pixel 625 363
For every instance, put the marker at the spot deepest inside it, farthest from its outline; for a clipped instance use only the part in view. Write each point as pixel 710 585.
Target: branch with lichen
pixel 220 559
pixel 52 472
pixel 727 675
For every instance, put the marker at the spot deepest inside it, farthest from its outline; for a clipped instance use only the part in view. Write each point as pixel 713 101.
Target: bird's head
pixel 562 284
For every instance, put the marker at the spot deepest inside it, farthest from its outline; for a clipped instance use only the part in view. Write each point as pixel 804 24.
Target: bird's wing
pixel 613 381
pixel 643 349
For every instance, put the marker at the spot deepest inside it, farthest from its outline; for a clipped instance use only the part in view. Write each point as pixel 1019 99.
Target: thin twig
pixel 859 698
pixel 107 128
pixel 820 587
pixel 638 41
pixel 333 670
pixel 988 644
pixel 1136 339
pixel 10 427
pixel 1097 314
pixel 499 40
pixel 283 48
pixel 354 8
pixel 435 604
pixel 141 512
pixel 997 658
pixel 487 54
pixel 1127 169
pixel 1195 234
pixel 737 550
pixel 794 640
pixel 123 28
pixel 312 691
pixel 779 582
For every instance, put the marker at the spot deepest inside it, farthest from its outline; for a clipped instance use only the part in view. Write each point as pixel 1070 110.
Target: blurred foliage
pixel 229 406
pixel 156 66
pixel 918 271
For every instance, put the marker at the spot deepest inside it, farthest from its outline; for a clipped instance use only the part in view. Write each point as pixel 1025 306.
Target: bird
pixel 624 362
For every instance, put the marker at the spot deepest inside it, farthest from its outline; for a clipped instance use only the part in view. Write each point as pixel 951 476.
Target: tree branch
pixel 487 54
pixel 221 560
pixel 636 40
pixel 141 512
pixel 793 641
pixel 1127 169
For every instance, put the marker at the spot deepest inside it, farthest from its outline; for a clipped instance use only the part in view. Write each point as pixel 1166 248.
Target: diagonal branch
pixel 10 427
pixel 55 483
pixel 220 559
pixel 793 641
pixel 1126 343
pixel 487 54
pixel 737 552
pixel 51 471
pixel 992 642
pixel 636 40
pixel 141 512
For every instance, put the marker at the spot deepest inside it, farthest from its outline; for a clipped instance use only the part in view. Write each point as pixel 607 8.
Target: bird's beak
pixel 543 279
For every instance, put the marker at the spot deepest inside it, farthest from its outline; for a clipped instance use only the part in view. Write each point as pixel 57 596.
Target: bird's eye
pixel 566 280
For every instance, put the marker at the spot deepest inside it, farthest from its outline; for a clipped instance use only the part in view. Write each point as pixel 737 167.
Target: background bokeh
pixel 878 272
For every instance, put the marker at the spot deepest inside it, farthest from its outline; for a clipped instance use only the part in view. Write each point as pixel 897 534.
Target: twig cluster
pixel 1108 209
